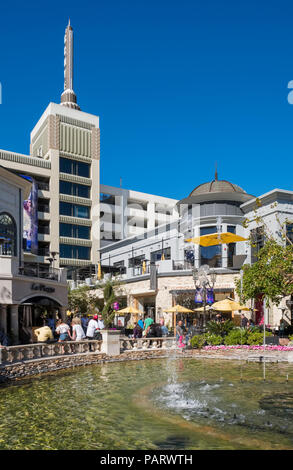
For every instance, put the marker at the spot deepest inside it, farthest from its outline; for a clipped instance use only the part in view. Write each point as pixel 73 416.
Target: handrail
pixel 29 352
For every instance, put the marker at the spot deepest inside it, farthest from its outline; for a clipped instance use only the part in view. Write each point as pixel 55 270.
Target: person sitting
pixel 44 334
pixel 137 331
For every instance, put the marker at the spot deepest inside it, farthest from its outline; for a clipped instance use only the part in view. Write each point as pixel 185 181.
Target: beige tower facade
pixel 64 161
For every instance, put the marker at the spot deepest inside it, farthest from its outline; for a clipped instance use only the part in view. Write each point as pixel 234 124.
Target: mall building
pixel 157 267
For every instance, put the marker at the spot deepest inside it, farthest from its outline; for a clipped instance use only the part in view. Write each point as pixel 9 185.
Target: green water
pixel 155 404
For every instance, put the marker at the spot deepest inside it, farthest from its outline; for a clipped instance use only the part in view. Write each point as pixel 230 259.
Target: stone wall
pixel 9 372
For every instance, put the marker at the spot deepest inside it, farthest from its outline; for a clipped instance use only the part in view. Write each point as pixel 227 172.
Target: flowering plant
pixel 268 347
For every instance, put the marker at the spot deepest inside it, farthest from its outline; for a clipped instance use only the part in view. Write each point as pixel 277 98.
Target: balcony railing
pixel 41 272
pixel 181 265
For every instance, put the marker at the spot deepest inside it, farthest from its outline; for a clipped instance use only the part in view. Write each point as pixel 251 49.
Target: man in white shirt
pixel 92 327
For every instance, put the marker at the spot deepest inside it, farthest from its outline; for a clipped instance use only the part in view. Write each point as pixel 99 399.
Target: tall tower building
pixel 64 160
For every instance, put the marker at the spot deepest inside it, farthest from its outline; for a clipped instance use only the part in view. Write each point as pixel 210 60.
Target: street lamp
pixel 201 279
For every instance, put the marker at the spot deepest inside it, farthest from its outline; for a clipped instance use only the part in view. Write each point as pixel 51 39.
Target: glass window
pixel 74 189
pixel 231 247
pixel 81 211
pixel 210 255
pixel 65 187
pixel 8 234
pixel 65 165
pixel 74 231
pixel 74 210
pixel 157 255
pixel 74 167
pixel 83 232
pixel 74 251
pixel 289 233
pixel 82 190
pixel 65 208
pixel 83 169
pixel 257 240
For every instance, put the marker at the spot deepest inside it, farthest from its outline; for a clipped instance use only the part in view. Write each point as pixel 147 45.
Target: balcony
pixel 43 272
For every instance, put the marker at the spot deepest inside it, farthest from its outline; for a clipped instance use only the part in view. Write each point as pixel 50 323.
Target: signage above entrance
pixel 42 287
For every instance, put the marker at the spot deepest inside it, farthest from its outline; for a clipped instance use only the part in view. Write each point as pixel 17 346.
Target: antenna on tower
pixel 216 172
pixel 120 182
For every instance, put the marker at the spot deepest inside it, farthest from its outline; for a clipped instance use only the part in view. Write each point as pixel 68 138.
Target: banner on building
pixel 30 219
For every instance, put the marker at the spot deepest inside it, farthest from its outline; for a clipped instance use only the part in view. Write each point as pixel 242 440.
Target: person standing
pixel 92 327
pixel 164 329
pixel 63 330
pixel 78 333
pixel 84 322
pixel 244 321
pixel 180 330
pixel 146 325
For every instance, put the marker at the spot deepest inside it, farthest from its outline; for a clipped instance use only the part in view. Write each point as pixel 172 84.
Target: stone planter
pixel 111 342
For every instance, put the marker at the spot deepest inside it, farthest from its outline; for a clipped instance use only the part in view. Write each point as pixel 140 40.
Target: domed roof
pixel 217 186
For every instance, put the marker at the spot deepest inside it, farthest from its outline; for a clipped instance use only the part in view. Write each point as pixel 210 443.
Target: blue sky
pixel 177 86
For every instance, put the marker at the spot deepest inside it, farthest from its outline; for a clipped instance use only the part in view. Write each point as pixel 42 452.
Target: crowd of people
pixel 147 328
pixel 75 329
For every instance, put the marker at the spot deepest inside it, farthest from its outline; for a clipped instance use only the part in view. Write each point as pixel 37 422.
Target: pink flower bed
pixel 269 347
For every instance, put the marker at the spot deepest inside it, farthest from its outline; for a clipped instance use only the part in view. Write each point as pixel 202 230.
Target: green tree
pixel 271 275
pixel 109 298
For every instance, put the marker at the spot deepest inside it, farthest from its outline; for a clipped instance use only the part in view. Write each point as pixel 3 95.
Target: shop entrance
pixel 33 313
pixel 148 306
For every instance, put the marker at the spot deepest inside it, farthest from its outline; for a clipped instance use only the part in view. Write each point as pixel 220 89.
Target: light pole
pixel 201 279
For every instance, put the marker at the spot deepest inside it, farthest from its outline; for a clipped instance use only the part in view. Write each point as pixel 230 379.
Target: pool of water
pixel 171 403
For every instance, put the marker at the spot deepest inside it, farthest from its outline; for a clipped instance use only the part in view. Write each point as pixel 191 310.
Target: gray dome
pixel 217 186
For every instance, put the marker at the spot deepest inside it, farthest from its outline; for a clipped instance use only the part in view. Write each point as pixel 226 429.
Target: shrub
pixel 219 328
pixel 214 340
pixel 256 338
pixel 236 336
pixel 198 341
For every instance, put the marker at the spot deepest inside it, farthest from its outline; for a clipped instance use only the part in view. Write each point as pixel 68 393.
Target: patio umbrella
pixel 178 309
pixel 130 310
pixel 212 239
pixel 202 309
pixel 226 305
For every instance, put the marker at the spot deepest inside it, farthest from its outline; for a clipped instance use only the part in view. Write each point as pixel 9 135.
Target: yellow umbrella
pixel 201 309
pixel 99 271
pixel 247 309
pixel 127 310
pixel 226 305
pixel 212 239
pixel 178 309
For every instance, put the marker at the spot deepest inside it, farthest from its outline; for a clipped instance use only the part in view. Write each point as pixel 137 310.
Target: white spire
pixel 68 97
